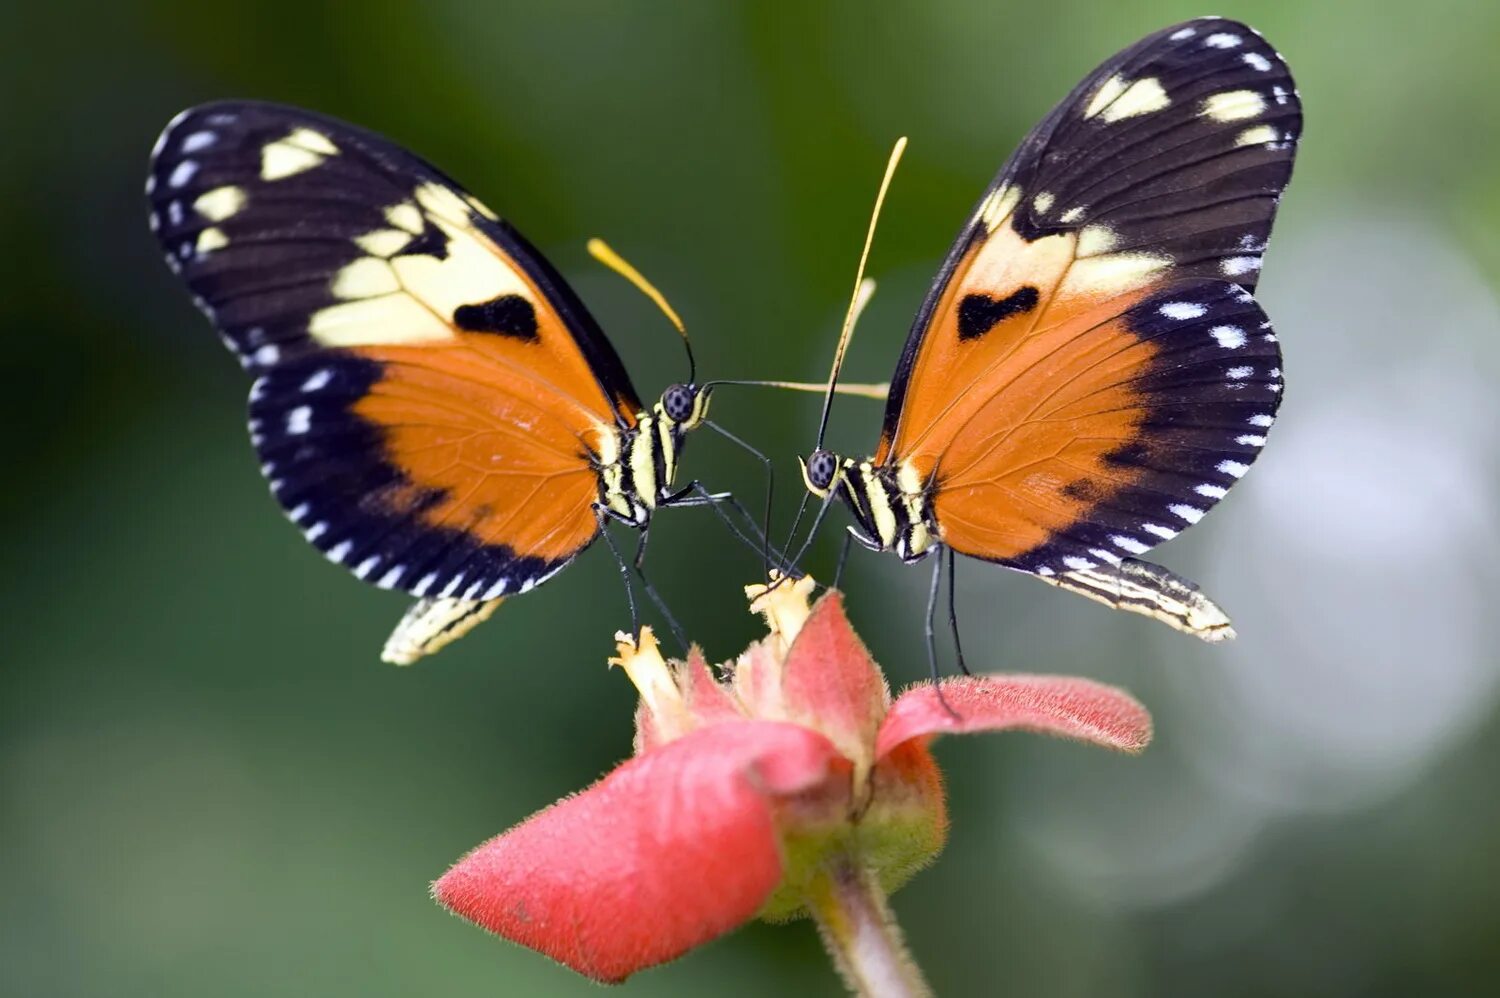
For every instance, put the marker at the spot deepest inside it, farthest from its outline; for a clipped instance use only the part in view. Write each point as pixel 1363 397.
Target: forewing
pixel 1165 164
pixel 431 394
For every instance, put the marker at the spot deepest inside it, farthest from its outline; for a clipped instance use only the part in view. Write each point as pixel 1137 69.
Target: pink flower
pixel 791 783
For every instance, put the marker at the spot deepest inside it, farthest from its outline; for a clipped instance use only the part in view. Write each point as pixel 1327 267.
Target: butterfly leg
pixel 601 514
pixel 838 573
pixel 932 663
pixel 750 534
pixel 958 647
pixel 812 532
pixel 770 490
pixel 657 601
pixel 640 547
pixel 639 561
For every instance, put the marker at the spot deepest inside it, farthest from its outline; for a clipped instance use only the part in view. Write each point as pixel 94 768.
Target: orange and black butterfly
pixel 1089 373
pixel 434 407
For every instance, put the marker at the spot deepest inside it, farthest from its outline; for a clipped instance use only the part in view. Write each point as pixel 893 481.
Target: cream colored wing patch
pixel 300 150
pixel 1117 99
pixel 432 624
pixel 298 234
pixel 390 296
pixel 1152 591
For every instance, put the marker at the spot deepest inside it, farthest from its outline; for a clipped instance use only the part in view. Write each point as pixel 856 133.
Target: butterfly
pixel 433 405
pixel 1090 372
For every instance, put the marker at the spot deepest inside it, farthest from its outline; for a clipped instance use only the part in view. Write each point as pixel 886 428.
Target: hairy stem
pixel 861 934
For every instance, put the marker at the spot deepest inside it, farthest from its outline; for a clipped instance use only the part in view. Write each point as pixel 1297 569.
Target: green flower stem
pixel 860 932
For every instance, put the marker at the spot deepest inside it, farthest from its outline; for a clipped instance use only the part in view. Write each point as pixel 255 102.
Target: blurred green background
pixel 209 785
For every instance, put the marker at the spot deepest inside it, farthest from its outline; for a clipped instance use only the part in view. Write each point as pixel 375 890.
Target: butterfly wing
pixel 430 395
pixel 432 624
pixel 1139 421
pixel 1089 372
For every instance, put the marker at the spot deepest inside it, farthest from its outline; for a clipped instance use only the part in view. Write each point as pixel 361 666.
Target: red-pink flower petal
pixel 672 849
pixel 707 701
pixel 1056 705
pixel 704 702
pixel 829 680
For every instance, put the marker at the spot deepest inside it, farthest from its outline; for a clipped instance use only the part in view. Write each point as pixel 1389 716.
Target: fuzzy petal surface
pixel 703 702
pixel 1056 705
pixel 670 850
pixel 830 682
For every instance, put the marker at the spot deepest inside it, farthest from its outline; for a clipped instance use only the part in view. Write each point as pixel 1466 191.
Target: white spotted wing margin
pixel 1203 404
pixel 1212 395
pixel 1140 587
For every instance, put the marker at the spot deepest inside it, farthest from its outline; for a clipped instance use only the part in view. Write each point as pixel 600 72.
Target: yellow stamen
pixel 649 673
pixel 785 606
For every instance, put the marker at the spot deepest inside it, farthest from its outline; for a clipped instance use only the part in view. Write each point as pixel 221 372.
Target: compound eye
pixel 677 401
pixel 821 467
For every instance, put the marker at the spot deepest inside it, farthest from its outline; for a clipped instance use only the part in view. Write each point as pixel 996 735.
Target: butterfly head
pixel 820 470
pixel 684 406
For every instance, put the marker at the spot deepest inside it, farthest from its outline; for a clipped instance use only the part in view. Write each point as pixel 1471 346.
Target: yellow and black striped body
pixel 891 505
pixel 639 462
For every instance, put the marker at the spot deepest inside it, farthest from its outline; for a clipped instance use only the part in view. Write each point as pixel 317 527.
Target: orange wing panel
pixel 1104 435
pixel 507 456
pixel 1025 454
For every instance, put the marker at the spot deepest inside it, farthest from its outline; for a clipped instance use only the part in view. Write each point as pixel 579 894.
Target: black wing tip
pixel 1208 20
pixel 225 112
pixel 1217 31
pixel 192 113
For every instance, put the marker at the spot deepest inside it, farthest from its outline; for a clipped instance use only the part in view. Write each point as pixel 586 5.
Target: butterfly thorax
pixel 892 508
pixel 637 464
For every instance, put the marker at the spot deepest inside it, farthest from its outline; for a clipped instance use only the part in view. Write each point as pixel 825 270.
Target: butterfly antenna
pixel 862 292
pixel 601 251
pixel 877 391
